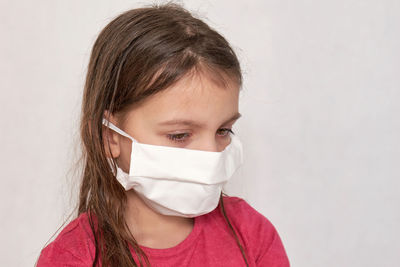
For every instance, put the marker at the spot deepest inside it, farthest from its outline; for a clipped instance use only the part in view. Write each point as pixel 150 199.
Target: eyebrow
pixel 194 123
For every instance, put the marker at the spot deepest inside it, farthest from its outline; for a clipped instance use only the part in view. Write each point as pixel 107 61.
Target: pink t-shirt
pixel 209 244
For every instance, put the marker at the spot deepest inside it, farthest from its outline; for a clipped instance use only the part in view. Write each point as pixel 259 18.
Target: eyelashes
pixel 182 137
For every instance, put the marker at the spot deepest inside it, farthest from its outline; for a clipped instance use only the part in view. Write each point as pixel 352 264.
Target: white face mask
pixel 179 181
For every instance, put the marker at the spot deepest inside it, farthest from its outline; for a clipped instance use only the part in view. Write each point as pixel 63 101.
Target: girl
pixel 160 99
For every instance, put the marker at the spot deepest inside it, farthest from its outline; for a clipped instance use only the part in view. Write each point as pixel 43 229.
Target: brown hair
pixel 138 54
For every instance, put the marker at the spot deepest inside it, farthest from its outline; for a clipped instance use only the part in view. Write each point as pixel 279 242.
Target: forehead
pixel 194 97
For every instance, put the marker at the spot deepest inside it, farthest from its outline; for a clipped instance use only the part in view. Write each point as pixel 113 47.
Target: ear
pixel 111 139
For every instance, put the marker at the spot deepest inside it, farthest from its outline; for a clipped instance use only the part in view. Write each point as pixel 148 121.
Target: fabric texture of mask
pixel 179 181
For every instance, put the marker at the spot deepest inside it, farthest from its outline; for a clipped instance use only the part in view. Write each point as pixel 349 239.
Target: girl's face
pixel 194 113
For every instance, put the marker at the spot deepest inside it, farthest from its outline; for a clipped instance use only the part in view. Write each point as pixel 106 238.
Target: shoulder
pixel 73 246
pixel 259 235
pixel 243 214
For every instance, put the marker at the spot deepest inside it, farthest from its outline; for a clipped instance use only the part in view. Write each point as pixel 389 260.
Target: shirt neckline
pixel 184 244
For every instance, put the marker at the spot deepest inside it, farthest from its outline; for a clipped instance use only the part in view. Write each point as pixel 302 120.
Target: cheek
pixel 222 144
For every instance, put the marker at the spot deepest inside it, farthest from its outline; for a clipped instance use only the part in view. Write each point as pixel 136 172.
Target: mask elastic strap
pixel 116 129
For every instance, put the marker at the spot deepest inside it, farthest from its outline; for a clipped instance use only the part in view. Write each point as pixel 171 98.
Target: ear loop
pixel 116 129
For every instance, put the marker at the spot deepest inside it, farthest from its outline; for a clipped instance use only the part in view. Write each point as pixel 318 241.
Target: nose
pixel 212 144
pixel 209 146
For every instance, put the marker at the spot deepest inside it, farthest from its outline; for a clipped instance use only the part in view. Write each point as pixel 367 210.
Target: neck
pixel 152 229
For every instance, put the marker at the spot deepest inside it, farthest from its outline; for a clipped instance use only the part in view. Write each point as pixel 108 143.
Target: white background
pixel 320 123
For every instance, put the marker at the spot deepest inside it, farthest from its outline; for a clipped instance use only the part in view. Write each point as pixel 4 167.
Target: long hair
pixel 138 54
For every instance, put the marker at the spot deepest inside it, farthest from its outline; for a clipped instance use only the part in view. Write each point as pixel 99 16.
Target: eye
pixel 180 137
pixel 225 131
